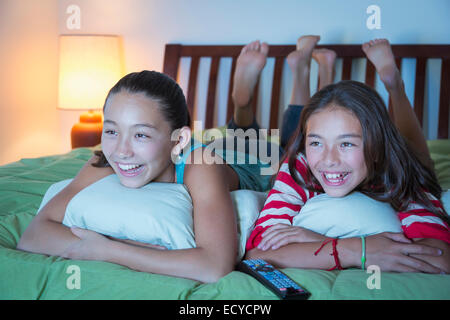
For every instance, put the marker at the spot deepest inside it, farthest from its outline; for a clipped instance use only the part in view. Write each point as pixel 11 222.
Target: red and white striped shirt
pixel 286 199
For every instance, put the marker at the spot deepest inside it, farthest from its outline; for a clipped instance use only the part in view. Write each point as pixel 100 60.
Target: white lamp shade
pixel 89 66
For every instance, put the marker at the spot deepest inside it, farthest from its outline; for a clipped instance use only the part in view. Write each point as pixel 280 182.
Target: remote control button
pixel 264 269
pixel 291 290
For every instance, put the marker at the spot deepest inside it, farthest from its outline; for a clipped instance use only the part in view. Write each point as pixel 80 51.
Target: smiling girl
pixel 336 156
pixel 346 142
pixel 146 125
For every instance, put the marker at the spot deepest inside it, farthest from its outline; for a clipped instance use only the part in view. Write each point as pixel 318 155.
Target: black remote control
pixel 274 279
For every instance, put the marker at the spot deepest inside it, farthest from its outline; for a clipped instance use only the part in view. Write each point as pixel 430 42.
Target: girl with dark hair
pixel 146 127
pixel 345 142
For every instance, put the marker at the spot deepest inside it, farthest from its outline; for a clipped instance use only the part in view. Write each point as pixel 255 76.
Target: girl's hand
pixel 391 252
pixel 442 262
pixel 92 245
pixel 281 234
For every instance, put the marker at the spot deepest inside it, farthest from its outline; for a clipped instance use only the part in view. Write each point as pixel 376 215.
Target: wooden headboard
pixel 174 53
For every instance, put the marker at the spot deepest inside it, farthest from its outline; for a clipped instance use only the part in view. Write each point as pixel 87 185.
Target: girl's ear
pixel 182 140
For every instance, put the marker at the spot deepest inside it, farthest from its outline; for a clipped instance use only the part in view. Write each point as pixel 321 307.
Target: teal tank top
pixel 179 166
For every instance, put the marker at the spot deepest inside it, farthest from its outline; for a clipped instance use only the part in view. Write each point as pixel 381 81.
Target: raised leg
pixel 379 52
pixel 325 59
pixel 249 65
pixel 299 62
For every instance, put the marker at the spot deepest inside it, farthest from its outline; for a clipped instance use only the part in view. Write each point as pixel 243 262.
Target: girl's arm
pixel 389 251
pixel 283 202
pixel 215 235
pixel 46 227
pixel 425 227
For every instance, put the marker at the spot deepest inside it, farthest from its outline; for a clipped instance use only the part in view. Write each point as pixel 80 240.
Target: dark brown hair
pixel 395 173
pixel 158 87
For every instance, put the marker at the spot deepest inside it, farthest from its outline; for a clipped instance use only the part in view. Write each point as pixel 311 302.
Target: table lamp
pixel 89 65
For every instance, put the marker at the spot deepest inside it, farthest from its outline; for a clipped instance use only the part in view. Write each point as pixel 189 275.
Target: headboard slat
pixel 255 100
pixel 370 74
pixel 398 62
pixel 276 89
pixel 211 98
pixel 230 106
pixel 419 88
pixel 347 68
pixel 444 100
pixel 192 84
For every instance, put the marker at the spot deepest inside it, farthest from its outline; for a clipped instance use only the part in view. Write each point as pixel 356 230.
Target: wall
pixel 147 25
pixel 28 81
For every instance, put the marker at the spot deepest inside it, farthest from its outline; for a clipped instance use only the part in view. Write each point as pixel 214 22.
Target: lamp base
pixel 88 132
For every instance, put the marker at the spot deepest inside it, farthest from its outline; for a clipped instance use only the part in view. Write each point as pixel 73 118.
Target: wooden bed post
pixel 172 60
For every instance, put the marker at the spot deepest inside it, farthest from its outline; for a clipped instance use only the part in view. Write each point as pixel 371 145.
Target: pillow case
pixel 353 215
pixel 158 213
pixel 247 204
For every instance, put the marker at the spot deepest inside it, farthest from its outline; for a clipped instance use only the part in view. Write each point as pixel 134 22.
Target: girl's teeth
pixel 126 167
pixel 335 175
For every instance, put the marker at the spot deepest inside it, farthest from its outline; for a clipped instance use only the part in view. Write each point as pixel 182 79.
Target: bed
pixel 24 183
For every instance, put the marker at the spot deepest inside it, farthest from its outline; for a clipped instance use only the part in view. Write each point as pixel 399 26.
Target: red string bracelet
pixel 335 254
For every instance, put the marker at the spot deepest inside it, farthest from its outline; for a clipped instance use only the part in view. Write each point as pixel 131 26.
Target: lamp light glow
pixel 89 66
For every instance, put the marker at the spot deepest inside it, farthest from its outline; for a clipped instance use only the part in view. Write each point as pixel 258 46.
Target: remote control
pixel 274 279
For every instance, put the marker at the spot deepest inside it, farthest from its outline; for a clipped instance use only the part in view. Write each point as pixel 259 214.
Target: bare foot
pixel 299 62
pixel 302 56
pixel 326 59
pixel 379 52
pixel 249 65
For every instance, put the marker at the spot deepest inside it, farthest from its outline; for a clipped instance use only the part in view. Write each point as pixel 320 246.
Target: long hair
pixel 158 87
pixel 395 173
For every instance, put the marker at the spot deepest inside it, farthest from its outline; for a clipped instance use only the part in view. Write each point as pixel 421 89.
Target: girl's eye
pixel 314 144
pixel 347 144
pixel 110 132
pixel 141 136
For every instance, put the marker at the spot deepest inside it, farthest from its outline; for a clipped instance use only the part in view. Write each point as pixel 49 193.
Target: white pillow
pixel 248 204
pixel 353 215
pixel 158 213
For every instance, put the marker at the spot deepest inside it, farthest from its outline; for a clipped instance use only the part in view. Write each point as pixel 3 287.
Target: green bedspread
pixel 34 276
